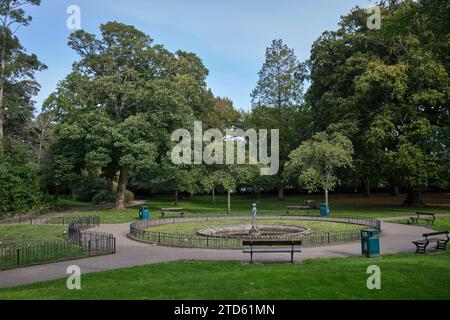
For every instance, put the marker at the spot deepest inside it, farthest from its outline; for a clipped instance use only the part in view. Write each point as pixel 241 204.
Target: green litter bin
pixel 370 243
pixel 144 213
pixel 324 210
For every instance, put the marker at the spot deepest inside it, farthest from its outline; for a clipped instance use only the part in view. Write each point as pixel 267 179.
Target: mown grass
pixel 64 202
pixel 340 203
pixel 403 276
pixel 17 234
pixel 376 206
pixel 193 227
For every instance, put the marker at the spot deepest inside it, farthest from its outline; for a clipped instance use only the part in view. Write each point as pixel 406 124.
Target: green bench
pixel 165 211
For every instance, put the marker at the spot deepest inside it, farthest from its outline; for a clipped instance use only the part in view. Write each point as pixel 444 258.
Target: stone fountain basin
pixel 245 230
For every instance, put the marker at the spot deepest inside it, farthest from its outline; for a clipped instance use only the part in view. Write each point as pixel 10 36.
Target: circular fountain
pixel 253 231
pixel 245 231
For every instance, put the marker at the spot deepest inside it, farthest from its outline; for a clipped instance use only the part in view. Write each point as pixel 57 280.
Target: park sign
pixel 191 151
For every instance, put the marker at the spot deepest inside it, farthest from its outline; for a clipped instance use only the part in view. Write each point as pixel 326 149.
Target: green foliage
pixel 91 188
pixel 17 82
pixel 122 101
pixel 94 189
pixel 281 78
pixel 277 104
pixel 391 85
pixel 317 160
pixel 19 181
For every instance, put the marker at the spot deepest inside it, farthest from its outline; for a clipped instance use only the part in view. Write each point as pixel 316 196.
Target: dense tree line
pixel 388 91
pixel 368 109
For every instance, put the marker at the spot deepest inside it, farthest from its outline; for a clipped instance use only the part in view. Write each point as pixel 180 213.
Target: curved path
pixel 395 238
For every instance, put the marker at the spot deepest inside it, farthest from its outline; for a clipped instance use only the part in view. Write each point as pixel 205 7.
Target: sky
pixel 230 36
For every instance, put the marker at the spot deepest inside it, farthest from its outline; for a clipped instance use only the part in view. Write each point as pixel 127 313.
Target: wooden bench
pixel 164 211
pixel 310 203
pixel 298 208
pixel 426 216
pixel 441 242
pixel 307 205
pixel 258 243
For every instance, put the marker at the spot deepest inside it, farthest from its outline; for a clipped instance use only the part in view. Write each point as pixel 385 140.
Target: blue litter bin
pixel 324 210
pixel 144 213
pixel 370 242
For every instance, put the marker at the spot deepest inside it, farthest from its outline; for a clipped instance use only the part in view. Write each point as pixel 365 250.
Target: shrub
pixel 89 187
pixel 19 182
pixel 104 196
pixel 129 196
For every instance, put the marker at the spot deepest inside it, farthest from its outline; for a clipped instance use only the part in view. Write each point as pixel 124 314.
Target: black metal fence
pixel 138 231
pixel 96 243
pixel 80 244
pixel 25 218
pixel 40 220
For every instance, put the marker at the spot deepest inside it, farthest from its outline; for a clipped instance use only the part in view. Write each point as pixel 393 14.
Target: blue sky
pixel 230 36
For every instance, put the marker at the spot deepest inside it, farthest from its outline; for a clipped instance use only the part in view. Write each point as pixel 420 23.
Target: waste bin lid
pixel 369 232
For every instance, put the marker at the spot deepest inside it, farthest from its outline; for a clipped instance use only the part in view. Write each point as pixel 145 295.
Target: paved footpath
pixel 395 238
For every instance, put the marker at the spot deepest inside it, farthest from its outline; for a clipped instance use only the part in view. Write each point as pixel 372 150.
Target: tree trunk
pixel 326 197
pixel 258 193
pixel 72 193
pixel 213 192
pixel 55 199
pixel 1 122
pixel 229 202
pixel 176 198
pixel 394 190
pixel 414 199
pixel 366 186
pixel 121 188
pixel 109 184
pixel 281 193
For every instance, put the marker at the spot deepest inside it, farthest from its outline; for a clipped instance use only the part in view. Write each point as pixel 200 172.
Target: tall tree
pixel 17 83
pixel 145 92
pixel 279 94
pixel 380 86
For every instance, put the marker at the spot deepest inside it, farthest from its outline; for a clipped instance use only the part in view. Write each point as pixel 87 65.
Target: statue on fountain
pixel 254 230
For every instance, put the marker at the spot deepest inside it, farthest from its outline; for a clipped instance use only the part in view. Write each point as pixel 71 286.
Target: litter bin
pixel 324 210
pixel 370 243
pixel 144 213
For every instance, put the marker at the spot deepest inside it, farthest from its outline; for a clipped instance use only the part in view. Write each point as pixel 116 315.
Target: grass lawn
pixel 64 202
pixel 403 276
pixel 109 216
pixel 192 228
pixel 376 206
pixel 10 234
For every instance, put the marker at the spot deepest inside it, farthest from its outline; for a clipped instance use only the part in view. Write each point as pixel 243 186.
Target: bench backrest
pixel 425 214
pixel 271 242
pixel 172 209
pixel 309 202
pixel 435 233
